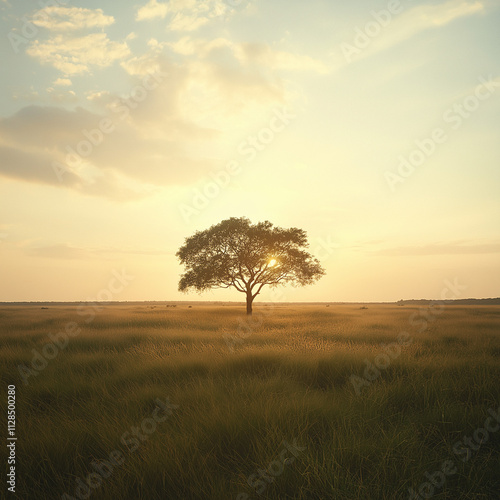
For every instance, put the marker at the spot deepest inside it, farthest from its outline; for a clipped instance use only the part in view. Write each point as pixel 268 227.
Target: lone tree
pixel 236 253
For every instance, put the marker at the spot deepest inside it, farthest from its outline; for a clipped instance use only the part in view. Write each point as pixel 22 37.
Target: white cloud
pixel 70 18
pixel 77 55
pixel 170 137
pixel 58 96
pixel 148 146
pixel 451 248
pixel 210 87
pixel 427 16
pixel 439 15
pixel 187 46
pixel 408 24
pixel 50 95
pixel 63 82
pixel 152 10
pixel 187 22
pixel 147 63
pixel 259 54
pixel 99 96
pixel 186 15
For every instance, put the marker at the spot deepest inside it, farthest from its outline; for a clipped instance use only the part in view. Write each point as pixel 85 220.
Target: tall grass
pixel 288 378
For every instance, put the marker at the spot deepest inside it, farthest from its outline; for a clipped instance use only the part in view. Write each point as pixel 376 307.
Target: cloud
pixel 34 166
pixel 78 55
pixel 192 84
pixel 407 24
pixel 63 82
pixel 185 15
pixel 210 87
pixel 140 149
pixel 454 248
pixel 147 63
pixel 100 96
pixel 59 96
pixel 219 88
pixel 423 17
pixel 168 136
pixel 37 167
pixel 187 22
pixel 58 251
pixel 256 54
pixel 159 137
pixel 71 252
pixel 51 95
pixel 227 78
pixel 262 54
pixel 151 10
pixel 30 95
pixel 57 18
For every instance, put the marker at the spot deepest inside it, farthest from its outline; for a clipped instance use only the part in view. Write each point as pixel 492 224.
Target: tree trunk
pixel 249 304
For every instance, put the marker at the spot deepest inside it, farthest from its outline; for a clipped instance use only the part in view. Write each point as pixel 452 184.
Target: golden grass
pixel 287 377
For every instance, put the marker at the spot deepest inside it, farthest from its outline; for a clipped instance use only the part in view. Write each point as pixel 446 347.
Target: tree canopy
pixel 236 253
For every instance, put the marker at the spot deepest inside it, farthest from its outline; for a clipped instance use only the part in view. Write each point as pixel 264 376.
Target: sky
pixel 127 126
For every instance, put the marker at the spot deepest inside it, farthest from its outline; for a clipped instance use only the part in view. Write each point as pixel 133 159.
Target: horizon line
pixel 117 302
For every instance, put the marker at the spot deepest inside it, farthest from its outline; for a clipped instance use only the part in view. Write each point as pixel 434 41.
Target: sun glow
pixel 272 262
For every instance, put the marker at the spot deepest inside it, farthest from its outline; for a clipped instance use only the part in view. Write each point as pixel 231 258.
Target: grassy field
pixel 301 402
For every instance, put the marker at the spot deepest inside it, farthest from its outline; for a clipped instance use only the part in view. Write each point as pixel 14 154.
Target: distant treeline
pixel 457 302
